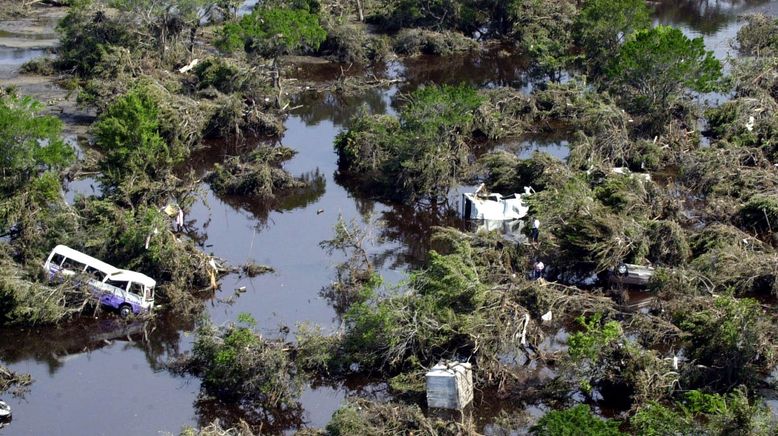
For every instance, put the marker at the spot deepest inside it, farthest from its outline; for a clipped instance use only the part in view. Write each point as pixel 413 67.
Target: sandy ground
pixel 27 38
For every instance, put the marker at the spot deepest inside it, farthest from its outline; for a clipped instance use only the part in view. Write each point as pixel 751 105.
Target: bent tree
pixel 655 66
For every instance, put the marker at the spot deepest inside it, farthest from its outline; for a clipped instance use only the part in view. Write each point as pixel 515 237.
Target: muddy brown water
pixel 102 376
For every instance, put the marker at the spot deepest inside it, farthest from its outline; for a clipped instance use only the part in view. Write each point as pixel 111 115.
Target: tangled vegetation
pixel 638 187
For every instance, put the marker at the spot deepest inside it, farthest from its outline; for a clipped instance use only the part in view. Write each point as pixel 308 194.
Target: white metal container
pixel 450 385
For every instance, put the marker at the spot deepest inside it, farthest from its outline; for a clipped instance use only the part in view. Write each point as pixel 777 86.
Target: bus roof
pixel 85 259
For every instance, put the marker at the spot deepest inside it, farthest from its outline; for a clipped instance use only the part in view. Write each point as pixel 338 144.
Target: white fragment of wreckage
pixel 188 67
pixel 450 385
pixel 5 411
pixel 493 206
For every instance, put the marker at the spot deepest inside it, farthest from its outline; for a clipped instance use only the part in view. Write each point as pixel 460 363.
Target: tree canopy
pixel 654 66
pixel 29 141
pixel 273 31
pixel 603 25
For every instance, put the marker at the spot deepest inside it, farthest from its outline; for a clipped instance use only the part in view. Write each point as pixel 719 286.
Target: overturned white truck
pixel 481 205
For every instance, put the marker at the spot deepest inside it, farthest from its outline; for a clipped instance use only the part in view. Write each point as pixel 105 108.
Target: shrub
pixel 415 41
pixel 759 37
pixel 29 142
pixel 655 66
pixel 237 365
pixel 86 34
pixel 729 341
pixel 421 154
pixel 603 25
pixel 272 31
pixel 129 136
pixel 760 213
pixel 577 420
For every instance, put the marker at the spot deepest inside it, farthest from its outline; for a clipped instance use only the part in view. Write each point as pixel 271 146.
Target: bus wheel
pixel 125 310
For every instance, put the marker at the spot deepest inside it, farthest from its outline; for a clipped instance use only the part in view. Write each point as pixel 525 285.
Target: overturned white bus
pixel 127 291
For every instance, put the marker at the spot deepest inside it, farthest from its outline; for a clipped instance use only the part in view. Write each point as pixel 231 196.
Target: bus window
pixel 95 273
pixel 149 295
pixel 121 286
pixel 57 259
pixel 136 289
pixel 72 265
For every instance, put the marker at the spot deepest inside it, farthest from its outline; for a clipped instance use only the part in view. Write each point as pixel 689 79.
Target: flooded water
pixel 104 377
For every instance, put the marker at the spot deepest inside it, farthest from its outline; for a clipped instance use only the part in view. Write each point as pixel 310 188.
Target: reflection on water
pixel 705 17
pixel 556 143
pixel 14 57
pixel 493 68
pixel 339 109
pixel 714 20
pixel 99 376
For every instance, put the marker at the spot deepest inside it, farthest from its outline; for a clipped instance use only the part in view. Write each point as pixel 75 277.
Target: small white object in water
pixel 5 410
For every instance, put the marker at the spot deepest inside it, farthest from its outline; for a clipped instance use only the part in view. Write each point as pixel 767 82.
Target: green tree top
pixel 654 66
pixel 128 133
pixel 29 142
pixel 273 31
pixel 603 25
pixel 575 421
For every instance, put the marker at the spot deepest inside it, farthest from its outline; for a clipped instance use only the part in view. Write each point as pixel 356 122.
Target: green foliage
pixel 603 25
pixel 732 414
pixel 505 172
pixel 759 37
pixel 760 213
pixel 748 121
pixel 654 419
pixel 238 365
pixel 258 174
pixel 128 133
pixel 87 33
pixel 704 413
pixel 419 326
pixel 730 340
pixel 29 142
pixel 543 29
pixel 575 421
pixel 666 243
pixel 363 417
pixel 219 73
pixel 589 343
pixel 350 43
pixel 440 14
pixel 655 66
pixel 415 41
pixel 316 352
pixel 622 193
pixel 273 31
pixel 420 155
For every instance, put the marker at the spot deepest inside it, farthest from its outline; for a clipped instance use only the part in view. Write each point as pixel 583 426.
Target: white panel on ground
pixel 450 385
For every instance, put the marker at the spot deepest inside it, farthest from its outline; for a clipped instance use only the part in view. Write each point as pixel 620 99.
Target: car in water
pixel 631 274
pixel 129 292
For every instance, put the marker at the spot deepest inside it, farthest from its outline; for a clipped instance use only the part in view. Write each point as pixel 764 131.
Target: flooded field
pixel 102 376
